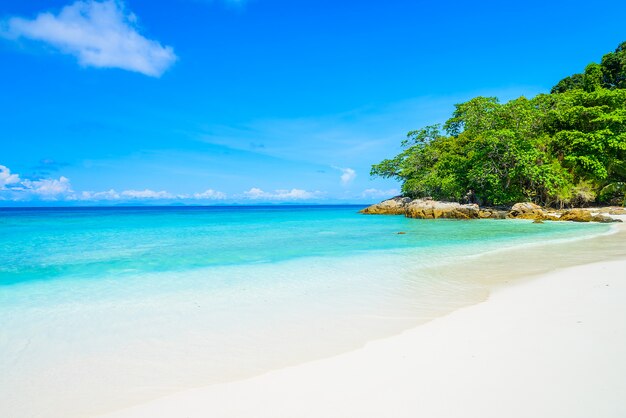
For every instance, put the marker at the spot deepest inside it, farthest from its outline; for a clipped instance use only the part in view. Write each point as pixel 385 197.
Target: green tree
pixel 563 148
pixel 614 68
pixel 609 74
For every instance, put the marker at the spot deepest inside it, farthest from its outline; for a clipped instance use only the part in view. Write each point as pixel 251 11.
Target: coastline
pixel 546 346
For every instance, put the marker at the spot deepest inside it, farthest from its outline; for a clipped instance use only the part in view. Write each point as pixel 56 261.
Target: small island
pixel 544 158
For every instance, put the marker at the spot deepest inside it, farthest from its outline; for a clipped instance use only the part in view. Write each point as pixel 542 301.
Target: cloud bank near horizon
pixel 101 34
pixel 14 188
pixel 281 195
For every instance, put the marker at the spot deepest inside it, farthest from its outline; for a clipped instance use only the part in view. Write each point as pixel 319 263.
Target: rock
pixel 484 214
pixel 401 233
pixel 525 207
pixel 576 215
pixel 617 211
pixel 579 215
pixel 531 216
pixel 426 208
pixel 492 214
pixel 423 209
pixel 527 210
pixel 537 221
pixel 394 206
pixel 432 209
pixel 604 219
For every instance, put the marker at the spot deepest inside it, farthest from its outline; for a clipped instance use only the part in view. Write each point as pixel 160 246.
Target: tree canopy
pixel 566 148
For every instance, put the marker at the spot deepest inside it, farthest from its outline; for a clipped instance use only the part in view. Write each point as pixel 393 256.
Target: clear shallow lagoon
pixel 105 307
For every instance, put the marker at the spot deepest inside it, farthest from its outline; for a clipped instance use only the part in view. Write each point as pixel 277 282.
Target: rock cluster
pixel 526 210
pixel 432 209
pixel 393 206
pixel 423 209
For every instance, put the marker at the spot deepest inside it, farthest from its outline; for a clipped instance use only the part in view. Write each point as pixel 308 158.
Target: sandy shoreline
pixel 548 347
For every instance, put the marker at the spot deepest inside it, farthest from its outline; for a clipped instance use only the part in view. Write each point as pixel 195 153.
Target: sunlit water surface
pixel 103 308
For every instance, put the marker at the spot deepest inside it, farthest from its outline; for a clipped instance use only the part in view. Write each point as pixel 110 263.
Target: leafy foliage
pixel 609 74
pixel 563 148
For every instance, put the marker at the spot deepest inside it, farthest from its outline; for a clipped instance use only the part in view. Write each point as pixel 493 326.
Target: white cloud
pixel 99 34
pixel 210 194
pixel 255 193
pixel 6 178
pixel 146 194
pixel 112 194
pixel 47 189
pixel 380 194
pixel 61 189
pixel 105 195
pixel 347 175
pixel 51 187
pixel 281 194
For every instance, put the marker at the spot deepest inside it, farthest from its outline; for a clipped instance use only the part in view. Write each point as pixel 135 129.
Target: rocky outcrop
pixel 582 215
pixel 426 209
pixel 604 219
pixel 526 210
pixel 491 213
pixel 614 211
pixel 394 206
pixel 423 209
pixel 576 215
pixel 531 211
pixel 431 209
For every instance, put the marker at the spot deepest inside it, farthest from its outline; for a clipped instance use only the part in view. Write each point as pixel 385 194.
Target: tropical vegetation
pixel 566 148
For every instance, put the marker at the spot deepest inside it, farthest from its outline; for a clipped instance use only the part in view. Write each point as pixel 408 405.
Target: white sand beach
pixel 548 347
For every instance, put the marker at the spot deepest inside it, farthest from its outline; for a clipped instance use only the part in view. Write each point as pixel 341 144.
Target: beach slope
pixel 548 347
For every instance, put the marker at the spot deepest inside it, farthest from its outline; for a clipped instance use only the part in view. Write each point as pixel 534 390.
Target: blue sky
pixel 254 101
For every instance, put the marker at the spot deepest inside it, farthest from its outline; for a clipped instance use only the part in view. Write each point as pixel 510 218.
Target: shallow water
pixel 102 308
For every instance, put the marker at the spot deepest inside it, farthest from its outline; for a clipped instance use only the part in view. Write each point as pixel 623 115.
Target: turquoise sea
pixel 102 308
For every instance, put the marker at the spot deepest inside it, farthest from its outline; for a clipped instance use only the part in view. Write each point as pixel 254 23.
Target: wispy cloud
pixel 15 188
pixel 97 196
pixel 146 194
pixel 210 194
pixel 347 175
pixel 379 194
pixel 347 139
pixel 99 34
pixel 281 195
pixel 46 165
pixel 49 188
pixel 6 178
